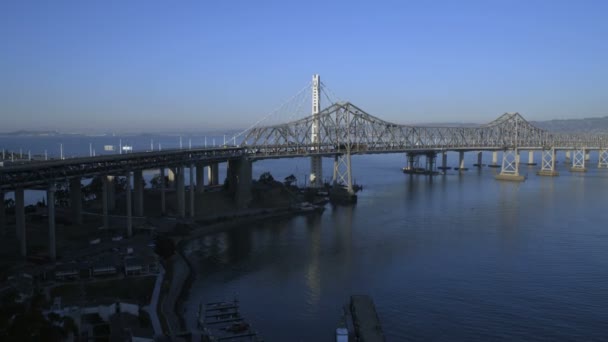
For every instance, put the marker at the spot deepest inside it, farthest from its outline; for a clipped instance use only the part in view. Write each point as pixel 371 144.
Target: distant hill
pixel 586 125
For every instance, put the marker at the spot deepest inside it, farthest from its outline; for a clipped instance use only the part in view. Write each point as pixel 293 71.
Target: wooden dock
pixel 362 321
pixel 222 321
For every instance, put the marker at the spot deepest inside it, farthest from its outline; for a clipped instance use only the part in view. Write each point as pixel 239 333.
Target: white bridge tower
pixel 316 162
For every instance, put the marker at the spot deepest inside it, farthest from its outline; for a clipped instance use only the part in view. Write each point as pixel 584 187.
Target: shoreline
pixel 214 228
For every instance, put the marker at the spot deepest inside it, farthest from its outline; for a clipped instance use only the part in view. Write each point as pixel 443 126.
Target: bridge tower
pixel 316 162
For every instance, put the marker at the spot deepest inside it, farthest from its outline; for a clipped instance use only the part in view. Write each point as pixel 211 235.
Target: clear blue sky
pixel 172 65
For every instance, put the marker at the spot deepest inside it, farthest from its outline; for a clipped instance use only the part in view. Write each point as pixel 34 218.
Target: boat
pixel 222 321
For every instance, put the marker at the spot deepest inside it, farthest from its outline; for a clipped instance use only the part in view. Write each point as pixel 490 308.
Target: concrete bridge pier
pixel 50 202
pixel 138 192
pixel 181 196
pixel 461 161
pixel 163 206
pixel 587 156
pixel 548 163
pixel 243 190
pixel 494 159
pixel 231 175
pixel 76 199
pixel 334 178
pixel 444 160
pixel 129 205
pixel 510 166
pixel 2 214
pixel 200 178
pixel 412 161
pixel 111 193
pixel 578 161
pixel 430 162
pixel 104 201
pixel 20 220
pixel 479 159
pixel 567 156
pixel 171 176
pixel 602 159
pixel 531 158
pixel 213 174
pixel 192 188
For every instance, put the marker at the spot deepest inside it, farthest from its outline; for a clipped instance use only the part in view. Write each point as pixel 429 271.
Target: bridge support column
pixel 163 206
pixel 567 156
pixel 2 214
pixel 213 174
pixel 494 159
pixel 548 163
pixel 334 178
pixel 243 189
pixel 461 161
pixel 171 177
pixel 192 188
pixel 138 192
pixel 111 193
pixel 20 220
pixel 76 199
pixel 531 158
pixel 510 166
pixel 50 202
pixel 602 159
pixel 200 178
pixel 181 196
pixel 231 175
pixel 430 162
pixel 479 159
pixel 444 160
pixel 578 161
pixel 129 205
pixel 104 202
pixel 587 156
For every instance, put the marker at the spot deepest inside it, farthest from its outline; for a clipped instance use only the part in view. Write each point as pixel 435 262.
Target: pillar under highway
pixel 461 161
pixel 76 199
pixel 181 199
pixel 163 207
pixel 2 214
pixel 138 192
pixel 200 178
pixel 129 205
pixel 191 184
pixel 213 174
pixel 20 219
pixel 50 203
pixel 104 202
pixel 111 193
pixel 243 190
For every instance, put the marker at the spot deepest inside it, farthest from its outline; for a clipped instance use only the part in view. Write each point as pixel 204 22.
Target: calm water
pixel 462 258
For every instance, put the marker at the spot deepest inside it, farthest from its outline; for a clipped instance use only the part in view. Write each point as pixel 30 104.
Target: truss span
pixel 345 127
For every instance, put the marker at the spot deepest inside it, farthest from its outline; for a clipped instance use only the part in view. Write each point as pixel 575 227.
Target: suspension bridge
pixel 338 130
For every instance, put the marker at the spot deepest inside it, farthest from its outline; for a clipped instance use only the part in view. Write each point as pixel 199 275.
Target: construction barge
pixel 222 321
pixel 360 322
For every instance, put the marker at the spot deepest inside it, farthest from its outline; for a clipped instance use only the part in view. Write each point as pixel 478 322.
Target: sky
pixel 152 66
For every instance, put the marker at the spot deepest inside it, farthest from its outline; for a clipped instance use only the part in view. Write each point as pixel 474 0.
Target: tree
pixel 156 182
pixel 266 178
pixel 290 180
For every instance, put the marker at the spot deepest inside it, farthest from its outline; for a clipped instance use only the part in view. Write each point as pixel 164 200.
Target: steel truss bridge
pixel 346 130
